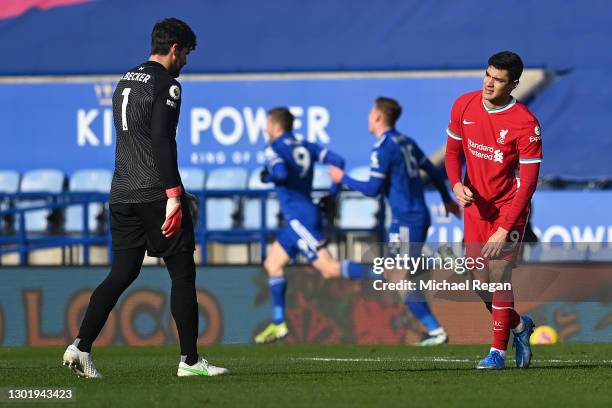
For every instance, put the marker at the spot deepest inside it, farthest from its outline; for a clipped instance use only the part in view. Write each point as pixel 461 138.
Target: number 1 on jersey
pixel 126 94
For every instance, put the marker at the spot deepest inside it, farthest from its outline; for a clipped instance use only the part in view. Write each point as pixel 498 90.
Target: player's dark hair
pixel 171 31
pixel 283 117
pixel 509 61
pixel 390 109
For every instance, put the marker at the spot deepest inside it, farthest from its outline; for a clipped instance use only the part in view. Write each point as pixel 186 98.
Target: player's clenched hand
pixel 453 208
pixel 264 175
pixel 495 244
pixel 336 174
pixel 174 213
pixel 464 195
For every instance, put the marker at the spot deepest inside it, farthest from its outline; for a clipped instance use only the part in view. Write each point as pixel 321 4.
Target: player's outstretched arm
pixel 333 159
pixel 370 188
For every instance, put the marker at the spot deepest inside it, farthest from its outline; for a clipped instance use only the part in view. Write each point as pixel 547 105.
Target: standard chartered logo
pixel 498 156
pixel 483 151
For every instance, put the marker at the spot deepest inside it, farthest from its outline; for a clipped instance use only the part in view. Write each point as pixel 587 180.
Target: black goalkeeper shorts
pixel 136 225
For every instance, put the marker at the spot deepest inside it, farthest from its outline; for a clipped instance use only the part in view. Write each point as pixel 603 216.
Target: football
pixel 544 335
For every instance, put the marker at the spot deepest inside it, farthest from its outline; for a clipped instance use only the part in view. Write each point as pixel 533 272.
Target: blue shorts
pixel 408 239
pixel 303 238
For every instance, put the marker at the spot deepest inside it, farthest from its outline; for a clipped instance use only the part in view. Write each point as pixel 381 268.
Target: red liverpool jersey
pixel 494 142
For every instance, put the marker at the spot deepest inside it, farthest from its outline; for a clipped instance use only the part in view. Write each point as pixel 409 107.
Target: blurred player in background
pixel 290 166
pixel 498 136
pixel 394 171
pixel 148 200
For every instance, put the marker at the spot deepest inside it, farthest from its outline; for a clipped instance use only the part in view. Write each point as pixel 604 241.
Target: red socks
pixel 504 318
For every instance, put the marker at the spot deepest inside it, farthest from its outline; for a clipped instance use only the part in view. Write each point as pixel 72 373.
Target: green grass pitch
pixel 287 376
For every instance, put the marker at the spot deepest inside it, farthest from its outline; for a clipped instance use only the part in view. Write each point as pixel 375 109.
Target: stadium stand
pixel 357 211
pixel 359 216
pixel 38 182
pixel 88 181
pixel 9 181
pixel 546 35
pixel 225 213
pixel 193 178
pixel 567 91
pixel 252 206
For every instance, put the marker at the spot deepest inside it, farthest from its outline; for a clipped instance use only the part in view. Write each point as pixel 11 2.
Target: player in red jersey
pixel 498 136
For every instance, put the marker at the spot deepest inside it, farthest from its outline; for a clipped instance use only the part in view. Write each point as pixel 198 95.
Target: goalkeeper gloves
pixel 174 214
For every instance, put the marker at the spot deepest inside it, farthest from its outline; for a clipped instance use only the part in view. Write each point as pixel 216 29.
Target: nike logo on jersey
pixel 465 122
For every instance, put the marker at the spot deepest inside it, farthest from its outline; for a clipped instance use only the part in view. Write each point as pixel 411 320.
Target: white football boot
pixel 435 339
pixel 80 362
pixel 202 367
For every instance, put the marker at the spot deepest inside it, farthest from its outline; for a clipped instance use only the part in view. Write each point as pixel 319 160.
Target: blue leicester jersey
pixel 397 159
pixel 297 158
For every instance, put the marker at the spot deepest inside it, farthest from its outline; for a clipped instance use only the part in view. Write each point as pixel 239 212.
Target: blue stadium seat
pixel 192 178
pixel 252 208
pixel 39 181
pixel 227 178
pixel 9 181
pixel 91 180
pixel 358 213
pixel 321 178
pixel 356 210
pixel 88 180
pixel 43 180
pixel 219 211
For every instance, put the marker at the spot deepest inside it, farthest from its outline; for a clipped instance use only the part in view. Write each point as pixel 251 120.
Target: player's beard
pixel 175 71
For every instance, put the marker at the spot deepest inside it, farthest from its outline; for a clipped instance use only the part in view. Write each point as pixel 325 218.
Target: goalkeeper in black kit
pixel 148 205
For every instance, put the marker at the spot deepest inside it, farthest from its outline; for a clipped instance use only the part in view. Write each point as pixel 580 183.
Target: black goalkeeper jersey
pixel 146 106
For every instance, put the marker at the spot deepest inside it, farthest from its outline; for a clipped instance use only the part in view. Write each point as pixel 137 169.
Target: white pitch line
pixel 338 359
pixel 433 360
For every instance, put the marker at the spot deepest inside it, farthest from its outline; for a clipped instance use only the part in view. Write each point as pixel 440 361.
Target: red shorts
pixel 476 233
